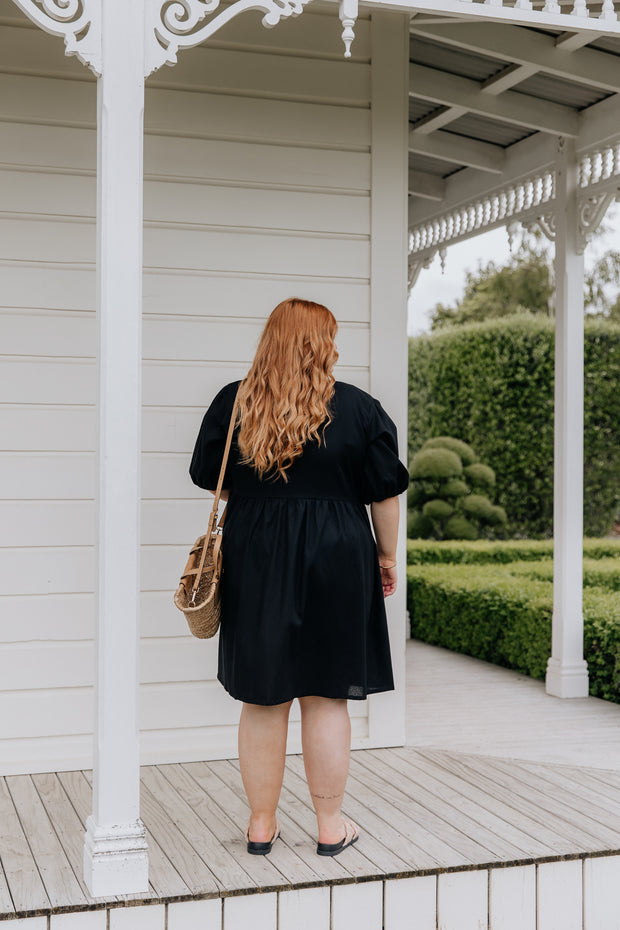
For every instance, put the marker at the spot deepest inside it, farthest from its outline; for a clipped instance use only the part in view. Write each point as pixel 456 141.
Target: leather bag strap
pixel 218 491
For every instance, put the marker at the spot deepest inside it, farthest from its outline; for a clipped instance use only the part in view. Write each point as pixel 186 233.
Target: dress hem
pixel 335 697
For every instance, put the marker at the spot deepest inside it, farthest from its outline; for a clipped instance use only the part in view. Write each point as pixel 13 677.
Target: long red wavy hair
pixel 284 400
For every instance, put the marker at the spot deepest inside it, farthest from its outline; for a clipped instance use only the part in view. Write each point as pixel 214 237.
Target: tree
pixel 526 283
pixel 601 287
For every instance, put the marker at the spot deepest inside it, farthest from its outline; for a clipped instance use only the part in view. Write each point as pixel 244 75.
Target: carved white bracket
pixel 178 24
pixel 591 212
pixel 544 223
pixel 77 21
pixel 416 264
pixel 348 18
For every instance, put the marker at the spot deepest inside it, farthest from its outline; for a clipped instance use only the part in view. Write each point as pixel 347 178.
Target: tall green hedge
pixel 491 385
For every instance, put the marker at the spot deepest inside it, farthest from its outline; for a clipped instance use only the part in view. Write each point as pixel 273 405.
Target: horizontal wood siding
pixel 257 186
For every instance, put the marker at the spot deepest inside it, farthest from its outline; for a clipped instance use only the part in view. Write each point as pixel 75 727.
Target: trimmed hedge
pixel 502 613
pixel 491 385
pixel 597 573
pixel 482 551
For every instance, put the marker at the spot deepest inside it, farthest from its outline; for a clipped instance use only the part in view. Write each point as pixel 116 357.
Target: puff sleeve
pixel 206 460
pixel 384 474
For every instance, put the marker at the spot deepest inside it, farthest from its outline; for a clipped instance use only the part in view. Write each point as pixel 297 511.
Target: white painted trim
pixel 388 301
pixel 115 853
pixel 567 671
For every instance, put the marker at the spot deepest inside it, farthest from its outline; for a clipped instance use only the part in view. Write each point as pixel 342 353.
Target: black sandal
pixel 261 849
pixel 351 835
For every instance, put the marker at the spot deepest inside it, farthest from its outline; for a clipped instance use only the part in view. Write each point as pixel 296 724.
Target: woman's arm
pixel 223 494
pixel 384 516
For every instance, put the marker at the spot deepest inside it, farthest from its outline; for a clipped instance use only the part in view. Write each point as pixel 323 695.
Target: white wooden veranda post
pixel 115 851
pixel 567 671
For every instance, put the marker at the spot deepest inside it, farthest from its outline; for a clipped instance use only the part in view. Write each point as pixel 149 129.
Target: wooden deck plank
pixel 284 856
pixel 57 875
pixel 27 889
pixel 586 814
pixel 263 872
pixel 66 823
pixel 372 826
pixel 603 808
pixel 196 830
pixel 415 825
pixel 381 857
pixel 440 818
pixel 529 835
pixel 6 902
pixel 480 771
pixel 600 790
pixel 195 872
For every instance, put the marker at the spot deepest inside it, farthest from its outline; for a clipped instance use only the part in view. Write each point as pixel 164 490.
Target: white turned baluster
pixel 580 8
pixel 608 13
pixel 552 6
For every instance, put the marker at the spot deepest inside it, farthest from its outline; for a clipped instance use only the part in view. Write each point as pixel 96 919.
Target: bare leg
pixel 326 741
pixel 262 753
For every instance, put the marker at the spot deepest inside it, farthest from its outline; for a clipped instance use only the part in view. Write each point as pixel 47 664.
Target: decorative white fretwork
pixel 545 223
pixel 599 185
pixel 178 24
pixel 77 21
pixel 170 25
pixel 591 213
pixel 520 200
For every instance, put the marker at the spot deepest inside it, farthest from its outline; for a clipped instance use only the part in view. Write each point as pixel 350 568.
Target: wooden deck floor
pixel 421 810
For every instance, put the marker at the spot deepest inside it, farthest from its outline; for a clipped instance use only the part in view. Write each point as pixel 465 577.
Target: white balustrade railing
pixel 600 164
pixel 516 201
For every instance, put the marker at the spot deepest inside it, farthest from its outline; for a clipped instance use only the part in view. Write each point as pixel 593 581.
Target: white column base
pixel 567 681
pixel 115 859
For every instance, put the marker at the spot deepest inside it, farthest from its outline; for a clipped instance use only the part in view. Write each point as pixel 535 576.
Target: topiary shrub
pixel 491 384
pixel 447 498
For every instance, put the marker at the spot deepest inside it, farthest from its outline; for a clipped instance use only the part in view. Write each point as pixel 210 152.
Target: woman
pixel 303 581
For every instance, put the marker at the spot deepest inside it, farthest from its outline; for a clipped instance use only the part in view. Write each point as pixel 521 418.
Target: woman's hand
pixel 388 580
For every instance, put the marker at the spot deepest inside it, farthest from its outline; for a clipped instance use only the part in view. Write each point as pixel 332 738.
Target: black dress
pixel 302 602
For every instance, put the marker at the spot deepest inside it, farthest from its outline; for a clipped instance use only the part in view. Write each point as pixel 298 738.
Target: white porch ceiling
pixel 488 102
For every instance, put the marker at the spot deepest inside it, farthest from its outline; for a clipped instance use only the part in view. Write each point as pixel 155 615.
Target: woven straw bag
pixel 198 594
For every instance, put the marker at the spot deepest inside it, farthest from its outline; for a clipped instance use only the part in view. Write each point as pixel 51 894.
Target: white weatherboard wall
pixel 257 187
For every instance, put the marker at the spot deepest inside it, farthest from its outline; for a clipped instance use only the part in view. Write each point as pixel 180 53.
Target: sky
pixel 434 287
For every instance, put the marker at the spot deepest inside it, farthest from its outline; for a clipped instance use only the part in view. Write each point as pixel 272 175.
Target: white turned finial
pixel 348 17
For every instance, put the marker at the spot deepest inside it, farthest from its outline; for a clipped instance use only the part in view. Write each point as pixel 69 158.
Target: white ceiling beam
pixel 570 41
pixel 453 90
pixel 522 46
pixel 508 77
pixel 440 117
pixel 521 159
pixel 427 186
pixel 458 150
pixel 599 123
